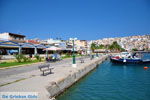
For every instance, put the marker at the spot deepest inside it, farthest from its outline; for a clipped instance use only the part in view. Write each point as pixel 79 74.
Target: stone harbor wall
pixel 57 87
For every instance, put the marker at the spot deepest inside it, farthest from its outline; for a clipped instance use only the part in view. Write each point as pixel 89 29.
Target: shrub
pixel 3 62
pixel 19 57
pixel 29 59
pixel 38 58
pixel 26 59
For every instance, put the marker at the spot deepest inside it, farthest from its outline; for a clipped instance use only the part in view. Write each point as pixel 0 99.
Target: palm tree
pixel 93 47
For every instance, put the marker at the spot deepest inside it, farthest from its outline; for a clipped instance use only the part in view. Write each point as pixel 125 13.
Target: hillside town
pixel 128 43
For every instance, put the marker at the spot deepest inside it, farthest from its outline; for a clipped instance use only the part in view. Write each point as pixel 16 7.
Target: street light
pixel 73 56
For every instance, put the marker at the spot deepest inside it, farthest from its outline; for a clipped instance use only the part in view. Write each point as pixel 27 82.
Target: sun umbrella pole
pixel 46 53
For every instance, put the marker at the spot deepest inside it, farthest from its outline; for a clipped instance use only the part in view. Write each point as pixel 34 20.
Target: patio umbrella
pixel 53 48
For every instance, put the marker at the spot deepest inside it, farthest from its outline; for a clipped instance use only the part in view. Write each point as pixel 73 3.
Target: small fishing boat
pixel 128 58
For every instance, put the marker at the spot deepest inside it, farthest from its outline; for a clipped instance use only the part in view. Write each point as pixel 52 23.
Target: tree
pixel 134 49
pixel 93 47
pixel 115 47
pixel 101 46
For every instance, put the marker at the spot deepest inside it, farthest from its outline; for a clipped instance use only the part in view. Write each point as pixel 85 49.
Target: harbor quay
pixel 74 50
pixel 39 87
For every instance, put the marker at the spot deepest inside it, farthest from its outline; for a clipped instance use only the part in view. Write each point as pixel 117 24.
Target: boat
pixel 128 58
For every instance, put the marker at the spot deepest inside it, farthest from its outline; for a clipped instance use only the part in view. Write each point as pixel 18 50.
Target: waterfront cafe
pixel 10 48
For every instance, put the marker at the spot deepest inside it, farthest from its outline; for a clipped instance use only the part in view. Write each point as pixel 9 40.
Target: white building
pixel 12 37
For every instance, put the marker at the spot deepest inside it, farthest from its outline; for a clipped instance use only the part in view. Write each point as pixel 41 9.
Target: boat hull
pixel 127 61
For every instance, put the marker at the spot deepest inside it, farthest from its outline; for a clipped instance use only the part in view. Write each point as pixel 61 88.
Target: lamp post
pixel 73 56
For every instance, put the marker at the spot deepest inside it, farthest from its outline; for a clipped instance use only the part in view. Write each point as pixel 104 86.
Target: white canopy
pixel 53 48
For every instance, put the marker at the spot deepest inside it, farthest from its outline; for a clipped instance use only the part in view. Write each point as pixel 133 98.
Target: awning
pixel 13 51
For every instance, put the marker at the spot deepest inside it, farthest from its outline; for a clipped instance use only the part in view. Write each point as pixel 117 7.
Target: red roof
pixel 32 41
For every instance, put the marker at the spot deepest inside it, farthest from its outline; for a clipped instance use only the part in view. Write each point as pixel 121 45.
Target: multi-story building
pixel 50 42
pixel 12 37
pixel 15 43
pixel 79 44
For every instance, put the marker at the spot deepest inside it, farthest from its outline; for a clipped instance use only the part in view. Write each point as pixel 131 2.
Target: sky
pixel 83 19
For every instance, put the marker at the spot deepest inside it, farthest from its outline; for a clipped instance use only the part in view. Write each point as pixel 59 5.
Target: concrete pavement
pixel 29 68
pixel 8 76
pixel 33 81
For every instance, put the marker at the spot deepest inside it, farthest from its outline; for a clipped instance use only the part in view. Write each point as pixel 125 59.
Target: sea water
pixel 112 82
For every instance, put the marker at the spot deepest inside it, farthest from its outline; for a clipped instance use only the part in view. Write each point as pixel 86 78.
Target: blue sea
pixel 112 82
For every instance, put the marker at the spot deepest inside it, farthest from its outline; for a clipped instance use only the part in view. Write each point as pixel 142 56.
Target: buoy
pixel 145 67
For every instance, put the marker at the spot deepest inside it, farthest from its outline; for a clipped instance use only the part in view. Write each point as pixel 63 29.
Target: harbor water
pixel 112 82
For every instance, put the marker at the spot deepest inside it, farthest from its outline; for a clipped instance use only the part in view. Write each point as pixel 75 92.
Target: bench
pixel 81 60
pixel 45 68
